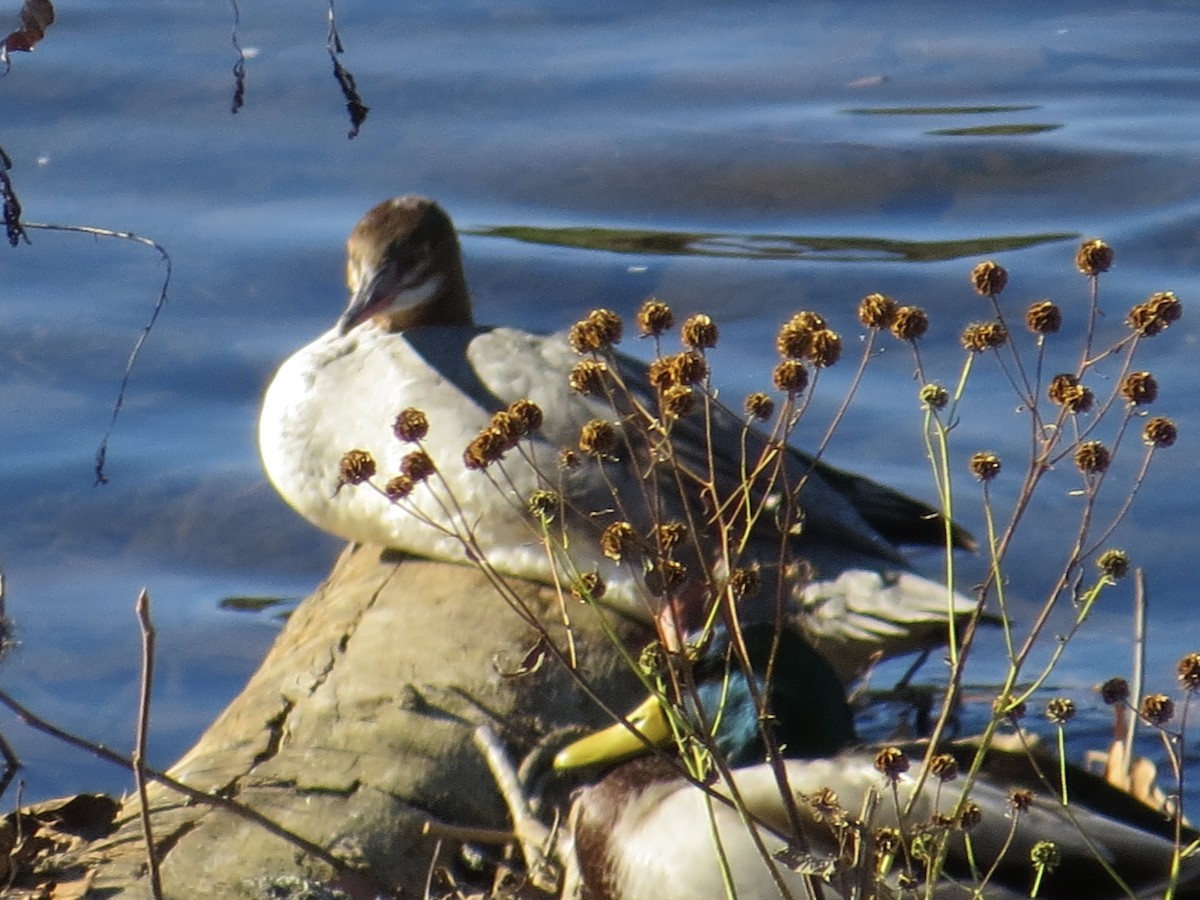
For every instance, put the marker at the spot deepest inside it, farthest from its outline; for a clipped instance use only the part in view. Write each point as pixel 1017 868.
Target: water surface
pixel 771 157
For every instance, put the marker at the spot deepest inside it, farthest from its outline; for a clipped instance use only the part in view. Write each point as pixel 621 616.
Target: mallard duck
pixel 407 339
pixel 645 830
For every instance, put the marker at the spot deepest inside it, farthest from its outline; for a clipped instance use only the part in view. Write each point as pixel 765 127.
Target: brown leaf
pixel 36 17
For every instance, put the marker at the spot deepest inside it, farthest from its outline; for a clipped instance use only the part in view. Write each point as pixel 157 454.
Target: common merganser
pixel 407 339
pixel 645 832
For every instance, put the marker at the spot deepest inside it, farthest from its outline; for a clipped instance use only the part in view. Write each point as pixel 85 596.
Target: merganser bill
pixel 407 339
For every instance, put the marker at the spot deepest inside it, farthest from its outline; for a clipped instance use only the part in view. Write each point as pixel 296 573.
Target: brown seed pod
pixel 1043 317
pixel 910 323
pixel 989 278
pixel 699 332
pixel 790 376
pixel 654 318
pixel 1092 457
pixel 1093 257
pixel 356 466
pixel 411 425
pixel 877 310
pixel 598 438
pixel 985 465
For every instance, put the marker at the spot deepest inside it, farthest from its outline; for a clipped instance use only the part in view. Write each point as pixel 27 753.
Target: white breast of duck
pixel 343 392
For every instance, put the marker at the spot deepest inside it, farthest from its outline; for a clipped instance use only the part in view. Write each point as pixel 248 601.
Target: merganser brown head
pixel 404 268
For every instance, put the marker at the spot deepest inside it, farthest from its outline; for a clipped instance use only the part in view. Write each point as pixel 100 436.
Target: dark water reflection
pixel 747 161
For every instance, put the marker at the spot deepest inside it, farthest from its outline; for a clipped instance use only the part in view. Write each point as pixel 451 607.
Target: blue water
pixel 742 121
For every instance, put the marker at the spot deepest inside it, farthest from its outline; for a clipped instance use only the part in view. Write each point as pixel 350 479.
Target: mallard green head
pixel 719 694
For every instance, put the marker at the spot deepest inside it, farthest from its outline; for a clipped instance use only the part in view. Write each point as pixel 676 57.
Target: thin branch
pixel 142 607
pixel 232 807
pixel 102 450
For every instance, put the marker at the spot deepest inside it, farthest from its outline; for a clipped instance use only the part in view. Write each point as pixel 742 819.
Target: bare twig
pixel 232 807
pixel 102 450
pixel 142 607
pixel 533 836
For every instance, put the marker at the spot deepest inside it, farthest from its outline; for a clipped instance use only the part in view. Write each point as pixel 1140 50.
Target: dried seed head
pixel 1060 710
pixel 744 582
pixel 1045 855
pixel 1066 391
pixel 688 367
pixel 877 310
pixel 664 576
pixel 790 376
pixel 1043 317
pixel 583 338
pixel 825 349
pixel 1160 432
pixel 660 374
pixel 981 336
pixel 652 661
pixel 1157 709
pixel 1020 800
pixel 891 762
pixel 1005 706
pixel 411 425
pixel 1188 672
pixel 699 332
pixel 985 465
pixel 760 406
pixel 910 323
pixel 1139 388
pixel 1093 257
pixel 543 505
pixel 1156 314
pixel 598 438
pixel 989 279
pixel 568 459
pixel 669 535
pixel 598 331
pixel 618 540
pixel 825 805
pixel 506 425
pixel 418 466
pixel 654 318
pixel 1114 564
pixel 486 448
pixel 528 416
pixel 1092 457
pixel 608 326
pixel 794 340
pixel 1166 306
pixel 943 767
pixel 972 815
pixel 678 401
pixel 587 377
pixel 399 488
pixel 934 396
pixel 356 467
pixel 589 586
pixel 1114 691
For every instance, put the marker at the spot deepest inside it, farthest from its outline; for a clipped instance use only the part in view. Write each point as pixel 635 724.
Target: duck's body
pixel 408 340
pixel 644 832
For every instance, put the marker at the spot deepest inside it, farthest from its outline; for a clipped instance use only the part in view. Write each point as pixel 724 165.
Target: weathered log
pixel 357 728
